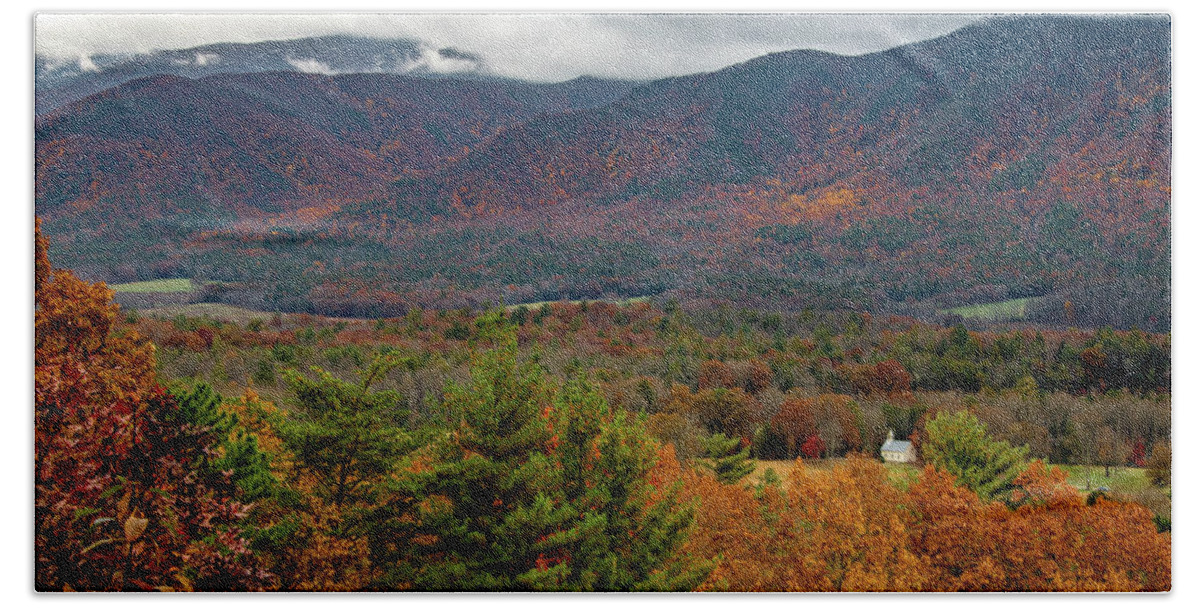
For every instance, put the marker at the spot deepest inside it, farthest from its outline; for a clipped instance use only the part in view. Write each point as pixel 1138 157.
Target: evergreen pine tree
pixel 349 436
pixel 236 454
pixel 528 490
pixel 628 532
pixel 728 463
pixel 958 443
pixel 486 512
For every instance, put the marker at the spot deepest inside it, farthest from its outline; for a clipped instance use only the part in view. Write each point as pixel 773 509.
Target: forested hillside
pixel 590 446
pixel 166 146
pixel 60 81
pixel 1019 157
pixel 354 314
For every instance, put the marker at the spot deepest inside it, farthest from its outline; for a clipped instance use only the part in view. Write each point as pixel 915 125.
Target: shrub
pixel 1158 467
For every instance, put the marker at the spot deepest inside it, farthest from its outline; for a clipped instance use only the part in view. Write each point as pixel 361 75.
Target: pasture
pixel 1124 483
pixel 1121 479
pixel 1007 310
pixel 158 286
pixel 536 305
pixel 217 312
pixel 899 474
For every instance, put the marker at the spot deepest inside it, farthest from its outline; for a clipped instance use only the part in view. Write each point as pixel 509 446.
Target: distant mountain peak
pixel 60 81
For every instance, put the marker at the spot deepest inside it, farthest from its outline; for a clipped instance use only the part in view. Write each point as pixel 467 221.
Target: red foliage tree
pixel 119 501
pixel 886 378
pixel 892 379
pixel 715 374
pixel 795 421
pixel 1137 456
pixel 813 447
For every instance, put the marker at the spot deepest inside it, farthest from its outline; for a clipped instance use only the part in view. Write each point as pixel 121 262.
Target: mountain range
pixel 1020 156
pixel 60 81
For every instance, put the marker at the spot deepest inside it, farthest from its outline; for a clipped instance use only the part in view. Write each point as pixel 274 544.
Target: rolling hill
pixel 1017 157
pixel 59 81
pixel 276 140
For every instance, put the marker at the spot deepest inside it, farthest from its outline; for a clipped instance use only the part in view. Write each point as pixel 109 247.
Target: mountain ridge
pixel 381 126
pixel 1020 156
pixel 59 81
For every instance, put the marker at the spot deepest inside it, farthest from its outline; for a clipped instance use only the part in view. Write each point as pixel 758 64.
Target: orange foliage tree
pixel 121 501
pixel 304 538
pixel 850 529
pixel 857 536
pixel 1053 541
pixel 827 531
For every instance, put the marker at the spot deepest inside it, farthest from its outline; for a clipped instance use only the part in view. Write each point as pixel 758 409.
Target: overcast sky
pixel 546 47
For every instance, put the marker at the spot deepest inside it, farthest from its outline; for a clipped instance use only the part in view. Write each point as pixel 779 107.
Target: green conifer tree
pixel 728 463
pixel 626 538
pixel 348 435
pixel 485 511
pixel 529 490
pixel 959 444
pixel 236 451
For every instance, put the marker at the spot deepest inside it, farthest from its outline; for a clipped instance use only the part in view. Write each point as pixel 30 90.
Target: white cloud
pixel 312 66
pixel 200 59
pixel 438 63
pixel 537 46
pixel 86 64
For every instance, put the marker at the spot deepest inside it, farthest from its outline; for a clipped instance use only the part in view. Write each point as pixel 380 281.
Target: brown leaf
pixel 134 526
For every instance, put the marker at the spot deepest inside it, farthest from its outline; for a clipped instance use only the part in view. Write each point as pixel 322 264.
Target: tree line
pixel 515 478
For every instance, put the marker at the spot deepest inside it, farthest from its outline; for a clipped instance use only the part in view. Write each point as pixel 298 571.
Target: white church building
pixel 897 451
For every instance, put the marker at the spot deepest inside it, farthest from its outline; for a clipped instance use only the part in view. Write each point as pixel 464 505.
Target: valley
pixel 354 313
pixel 795 180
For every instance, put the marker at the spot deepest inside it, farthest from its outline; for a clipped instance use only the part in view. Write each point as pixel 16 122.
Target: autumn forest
pixel 897 321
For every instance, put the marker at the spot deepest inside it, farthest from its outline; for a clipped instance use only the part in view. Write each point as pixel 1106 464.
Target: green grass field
pixel 159 286
pixel 1121 479
pixel 533 305
pixel 1128 482
pixel 1008 310
pixel 1123 483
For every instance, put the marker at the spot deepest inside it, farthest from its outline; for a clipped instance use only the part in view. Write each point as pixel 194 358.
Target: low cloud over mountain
pixel 61 80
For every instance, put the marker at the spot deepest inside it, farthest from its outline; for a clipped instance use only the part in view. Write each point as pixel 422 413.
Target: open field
pixel 901 475
pixel 159 286
pixel 623 302
pixel 1121 479
pixel 1124 483
pixel 219 312
pixel 1008 310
